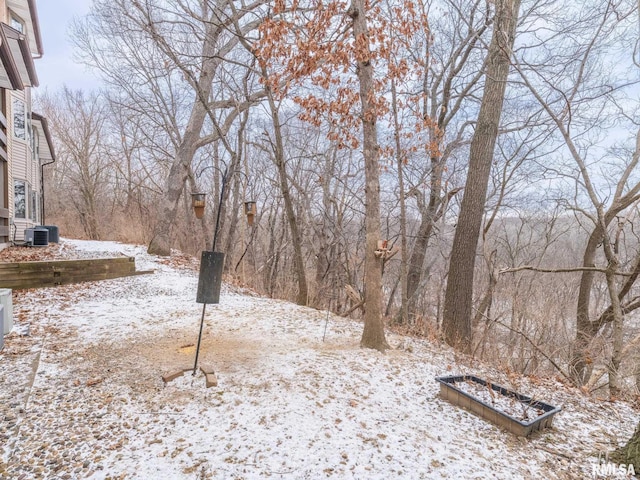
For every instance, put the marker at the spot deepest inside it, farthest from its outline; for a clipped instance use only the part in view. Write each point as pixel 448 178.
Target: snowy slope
pixel 81 394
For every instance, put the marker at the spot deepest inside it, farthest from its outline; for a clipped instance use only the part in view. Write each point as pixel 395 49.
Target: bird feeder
pixel 250 210
pixel 198 202
pixel 210 279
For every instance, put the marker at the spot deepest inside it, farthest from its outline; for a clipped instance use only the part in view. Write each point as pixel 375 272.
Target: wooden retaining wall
pixel 62 272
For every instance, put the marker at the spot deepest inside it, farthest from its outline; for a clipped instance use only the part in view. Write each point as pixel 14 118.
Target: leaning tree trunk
pixel 630 453
pixel 174 185
pixel 429 216
pixel 587 329
pixel 373 333
pixel 459 293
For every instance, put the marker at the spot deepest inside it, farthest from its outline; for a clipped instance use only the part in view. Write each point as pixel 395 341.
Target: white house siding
pixel 11 148
pixel 20 168
pixel 20 163
pixel 21 9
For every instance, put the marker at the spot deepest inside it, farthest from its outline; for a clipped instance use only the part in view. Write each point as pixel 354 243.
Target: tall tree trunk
pixel 586 328
pixel 91 217
pixel 373 333
pixel 296 235
pixel 272 251
pixel 439 103
pixel 323 263
pixel 238 187
pixel 428 217
pixel 403 318
pixel 459 293
pixel 615 384
pixel 581 365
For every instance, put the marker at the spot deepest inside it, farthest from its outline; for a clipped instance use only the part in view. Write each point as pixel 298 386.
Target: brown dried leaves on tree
pixel 346 56
pixel 311 55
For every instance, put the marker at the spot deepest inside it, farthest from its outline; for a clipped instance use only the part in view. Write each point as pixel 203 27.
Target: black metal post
pixel 195 365
pixel 215 231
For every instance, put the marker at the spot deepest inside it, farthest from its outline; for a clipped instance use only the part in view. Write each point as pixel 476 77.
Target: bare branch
pixel 561 270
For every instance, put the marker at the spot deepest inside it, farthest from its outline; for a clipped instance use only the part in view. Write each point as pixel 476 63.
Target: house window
pixel 19 115
pixel 17 23
pixel 33 202
pixel 35 144
pixel 20 199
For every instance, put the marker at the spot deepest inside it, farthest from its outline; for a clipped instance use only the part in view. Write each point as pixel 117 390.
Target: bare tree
pixel 298 56
pixel 278 154
pixel 452 48
pixel 459 292
pixel 373 333
pixel 158 56
pixel 570 106
pixel 137 174
pixel 78 126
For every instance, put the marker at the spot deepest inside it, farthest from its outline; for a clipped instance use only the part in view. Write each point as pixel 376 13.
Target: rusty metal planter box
pixel 454 395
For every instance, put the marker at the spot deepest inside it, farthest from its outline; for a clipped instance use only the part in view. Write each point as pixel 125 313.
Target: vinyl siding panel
pixel 21 166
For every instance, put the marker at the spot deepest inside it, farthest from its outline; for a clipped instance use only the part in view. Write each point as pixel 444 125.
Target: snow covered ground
pixel 81 393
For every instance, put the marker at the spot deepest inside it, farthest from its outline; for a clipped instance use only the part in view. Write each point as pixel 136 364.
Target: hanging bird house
pixel 198 203
pixel 250 210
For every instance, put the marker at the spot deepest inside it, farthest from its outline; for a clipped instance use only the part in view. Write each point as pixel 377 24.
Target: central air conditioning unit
pixel 6 303
pixel 36 237
pixel 54 235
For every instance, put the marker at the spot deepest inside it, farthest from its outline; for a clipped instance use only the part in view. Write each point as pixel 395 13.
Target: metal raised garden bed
pixel 542 413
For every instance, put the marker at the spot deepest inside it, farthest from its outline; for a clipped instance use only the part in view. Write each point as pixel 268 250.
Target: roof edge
pixel 47 134
pixel 36 26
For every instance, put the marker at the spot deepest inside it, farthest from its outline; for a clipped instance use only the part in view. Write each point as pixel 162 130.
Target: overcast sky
pixel 56 67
